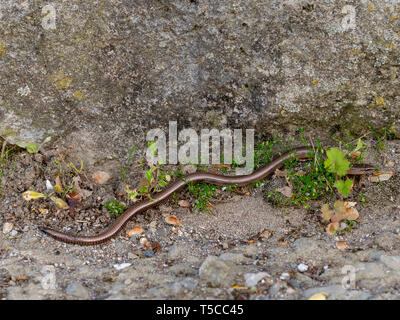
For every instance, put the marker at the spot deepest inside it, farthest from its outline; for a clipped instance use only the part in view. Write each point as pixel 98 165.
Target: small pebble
pixel 49 186
pixel 253 278
pixel 148 253
pixel 302 267
pixel 13 233
pixel 101 177
pixel 7 227
pixel 153 224
pixel 122 265
pixel 284 276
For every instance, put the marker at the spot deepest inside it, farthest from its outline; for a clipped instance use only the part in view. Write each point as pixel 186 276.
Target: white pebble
pixel 302 267
pixel 122 266
pixel 7 227
pixel 284 276
pixel 49 186
pixel 13 233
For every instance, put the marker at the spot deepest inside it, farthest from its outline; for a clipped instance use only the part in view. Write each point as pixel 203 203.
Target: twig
pixel 3 149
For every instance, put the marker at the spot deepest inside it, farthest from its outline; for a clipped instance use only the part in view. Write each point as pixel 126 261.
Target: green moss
pixel 8 133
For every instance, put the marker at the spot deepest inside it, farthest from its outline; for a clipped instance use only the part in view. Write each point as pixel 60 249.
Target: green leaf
pixel 344 187
pixel 336 162
pixel 149 175
pixel 31 147
pixel 360 145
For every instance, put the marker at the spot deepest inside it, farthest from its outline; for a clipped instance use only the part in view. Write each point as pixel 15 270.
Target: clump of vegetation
pixel 322 177
pixel 381 135
pixel 4 157
pixel 202 192
pixel 114 207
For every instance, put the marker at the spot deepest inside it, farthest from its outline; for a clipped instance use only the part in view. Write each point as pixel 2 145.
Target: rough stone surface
pixel 217 272
pixel 106 72
pixel 253 278
pixel 76 289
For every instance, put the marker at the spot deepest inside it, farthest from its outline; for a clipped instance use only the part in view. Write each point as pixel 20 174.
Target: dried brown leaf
pixel 280 173
pixel 341 245
pixel 351 214
pixel 184 204
pixel 101 177
pixel 135 231
pixel 172 219
pixel 332 228
pixel 266 234
pixel 156 247
pixel 286 191
pixel 381 176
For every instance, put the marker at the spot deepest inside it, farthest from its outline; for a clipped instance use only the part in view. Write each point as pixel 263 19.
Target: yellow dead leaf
pixel 30 195
pixel 58 187
pixel 60 203
pixel 339 207
pixel 327 213
pixel 319 296
pixel 172 219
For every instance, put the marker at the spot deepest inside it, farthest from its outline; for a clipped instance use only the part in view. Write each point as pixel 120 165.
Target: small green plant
pixel 4 156
pixel 202 192
pixel 337 164
pixel 263 152
pixel 306 186
pixel 76 171
pixel 381 135
pixel 128 163
pixel 321 177
pixel 32 147
pixel 114 207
